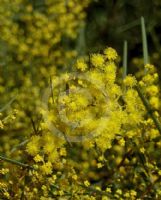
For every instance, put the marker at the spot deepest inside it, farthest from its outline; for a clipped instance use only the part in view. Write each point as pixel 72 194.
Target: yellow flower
pixel 154 102
pixel 53 156
pixel 7 195
pixel 61 192
pixel 81 65
pixel 118 191
pixel 63 152
pixel 127 194
pixel 49 147
pixel 38 158
pixel 122 142
pixel 86 183
pixel 154 133
pixel 150 68
pixel 74 177
pixel 105 198
pixel 130 81
pixel 99 165
pixel 4 171
pixel 97 60
pixel 133 193
pixel 101 158
pixel 108 190
pixel 110 53
pixel 142 149
pixel 152 90
pixel 44 187
pixel 33 146
pixel 46 168
pixel 98 188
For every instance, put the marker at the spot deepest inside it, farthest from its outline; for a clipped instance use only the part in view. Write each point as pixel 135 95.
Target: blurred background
pixel 89 26
pixel 112 22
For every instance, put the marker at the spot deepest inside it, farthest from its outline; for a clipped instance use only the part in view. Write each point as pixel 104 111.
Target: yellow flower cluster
pixel 97 60
pixel 33 146
pixel 111 53
pixel 129 81
pixel 81 65
pixel 36 31
pixel 151 84
pixel 39 32
pixel 110 123
pixel 90 107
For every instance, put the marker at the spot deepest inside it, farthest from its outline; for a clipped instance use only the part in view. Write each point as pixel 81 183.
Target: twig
pixel 19 145
pixel 51 88
pixel 128 26
pixel 15 162
pixel 33 125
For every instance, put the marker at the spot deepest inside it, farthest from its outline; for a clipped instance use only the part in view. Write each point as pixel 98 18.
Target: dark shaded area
pixel 112 22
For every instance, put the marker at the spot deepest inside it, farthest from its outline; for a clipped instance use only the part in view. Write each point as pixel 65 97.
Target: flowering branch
pixel 148 108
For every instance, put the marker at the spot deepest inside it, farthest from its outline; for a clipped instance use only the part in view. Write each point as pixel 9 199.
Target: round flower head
pixel 110 53
pixel 97 60
pixel 81 65
pixel 150 68
pixel 130 81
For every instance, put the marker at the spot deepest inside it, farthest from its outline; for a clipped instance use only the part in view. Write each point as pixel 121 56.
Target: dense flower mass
pixel 35 34
pixel 107 120
pixel 71 127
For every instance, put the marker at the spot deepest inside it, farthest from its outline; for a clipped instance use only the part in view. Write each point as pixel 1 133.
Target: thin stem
pixel 51 88
pixel 144 41
pixel 125 59
pixel 15 162
pixel 33 125
pixel 8 104
pixel 19 145
pixel 129 26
